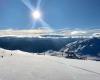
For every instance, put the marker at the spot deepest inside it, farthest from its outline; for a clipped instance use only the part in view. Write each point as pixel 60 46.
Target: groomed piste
pixel 18 65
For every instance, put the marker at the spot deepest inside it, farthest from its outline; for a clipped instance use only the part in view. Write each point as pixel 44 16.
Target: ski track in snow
pixel 38 67
pixel 77 67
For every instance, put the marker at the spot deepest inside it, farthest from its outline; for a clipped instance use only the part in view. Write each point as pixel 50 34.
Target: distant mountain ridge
pixel 35 45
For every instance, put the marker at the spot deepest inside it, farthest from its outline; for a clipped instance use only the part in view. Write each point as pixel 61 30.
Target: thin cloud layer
pixel 48 31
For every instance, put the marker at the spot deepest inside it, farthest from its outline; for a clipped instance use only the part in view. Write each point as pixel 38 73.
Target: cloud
pixel 28 33
pixel 37 32
pixel 78 32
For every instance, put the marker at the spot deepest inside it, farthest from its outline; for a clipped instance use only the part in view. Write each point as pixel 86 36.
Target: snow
pixel 88 48
pixel 26 66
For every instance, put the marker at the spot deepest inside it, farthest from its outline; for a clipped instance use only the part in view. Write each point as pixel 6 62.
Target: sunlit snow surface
pixel 26 66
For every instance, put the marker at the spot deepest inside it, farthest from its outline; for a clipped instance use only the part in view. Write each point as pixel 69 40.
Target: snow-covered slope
pixel 88 47
pixel 4 52
pixel 21 66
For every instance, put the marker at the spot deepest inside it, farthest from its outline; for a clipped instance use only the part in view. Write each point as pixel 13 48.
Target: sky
pixel 14 14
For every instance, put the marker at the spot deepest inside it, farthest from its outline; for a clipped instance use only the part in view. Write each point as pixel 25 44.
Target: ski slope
pixel 23 66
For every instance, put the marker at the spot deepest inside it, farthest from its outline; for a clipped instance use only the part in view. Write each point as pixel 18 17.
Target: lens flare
pixel 36 14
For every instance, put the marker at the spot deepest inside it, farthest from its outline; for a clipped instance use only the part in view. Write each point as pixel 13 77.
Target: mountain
pixel 35 45
pixel 88 47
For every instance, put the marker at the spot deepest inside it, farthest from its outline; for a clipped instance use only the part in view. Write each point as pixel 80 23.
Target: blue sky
pixel 57 13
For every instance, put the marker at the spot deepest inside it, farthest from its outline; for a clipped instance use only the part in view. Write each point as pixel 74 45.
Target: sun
pixel 36 14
